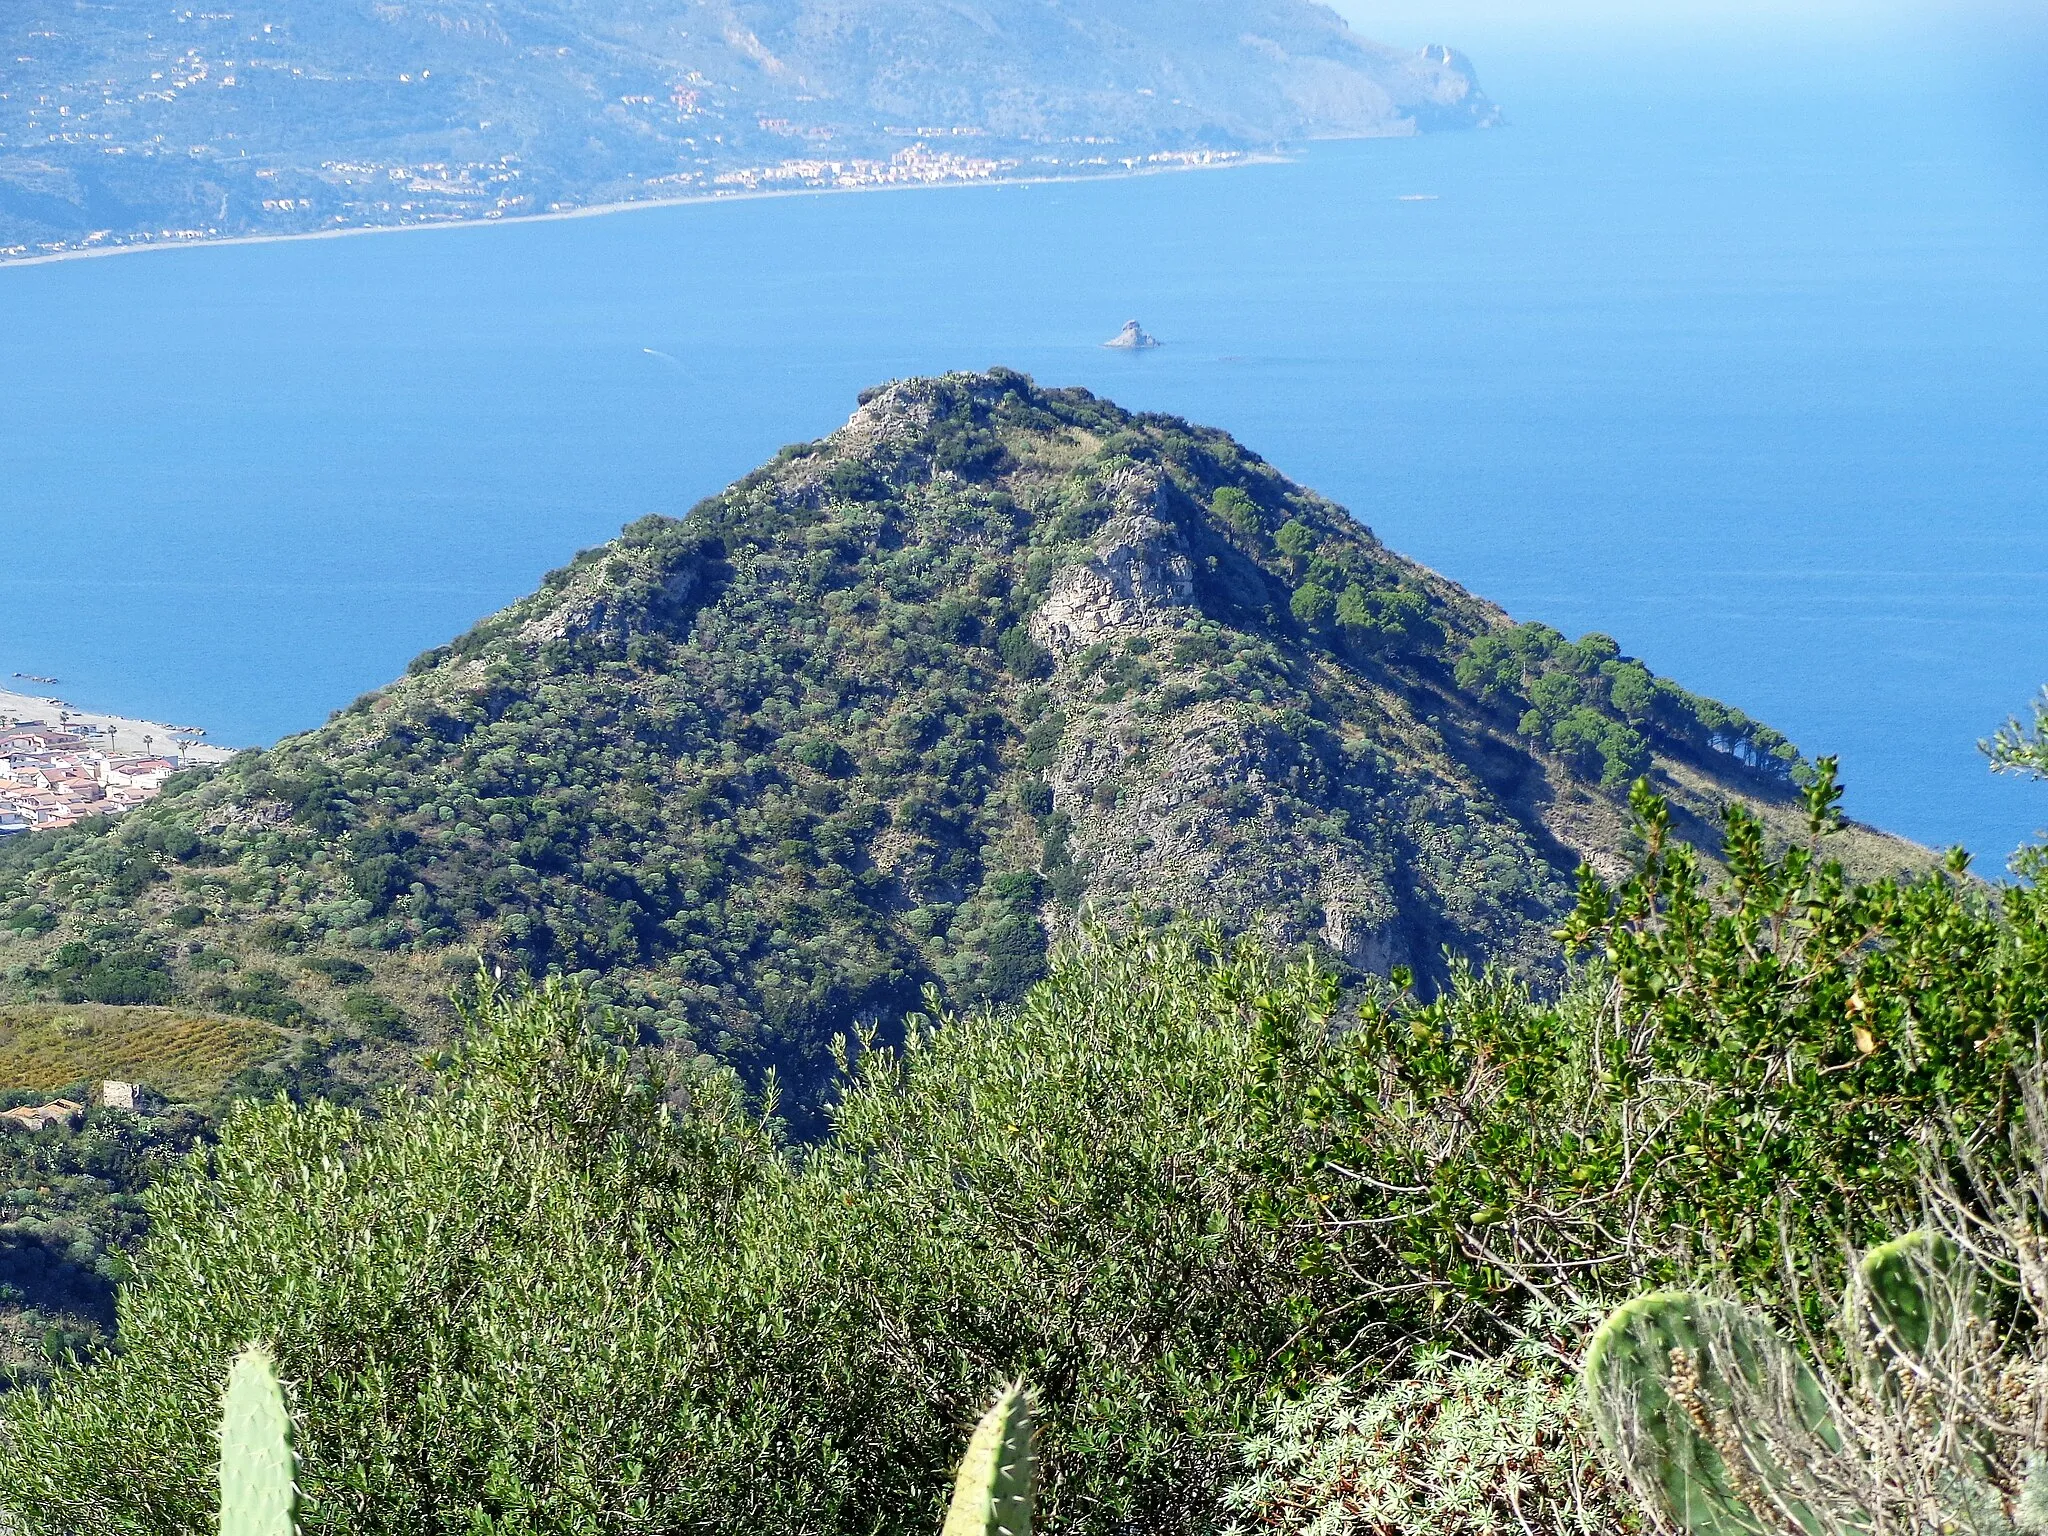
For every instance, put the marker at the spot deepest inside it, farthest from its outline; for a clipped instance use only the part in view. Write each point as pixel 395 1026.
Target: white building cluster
pixel 52 776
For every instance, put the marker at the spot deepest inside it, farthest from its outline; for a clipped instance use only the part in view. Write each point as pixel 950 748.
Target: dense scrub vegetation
pixel 1275 1255
pixel 1741 1071
pixel 71 1210
pixel 1450 1447
pixel 760 775
pixel 1600 710
pixel 563 1292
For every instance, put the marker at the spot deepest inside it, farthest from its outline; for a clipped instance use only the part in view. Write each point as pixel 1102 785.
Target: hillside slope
pixel 132 121
pixel 887 713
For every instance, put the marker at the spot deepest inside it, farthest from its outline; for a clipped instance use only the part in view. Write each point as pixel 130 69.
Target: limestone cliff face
pixel 1138 571
pixel 1161 816
pixel 1200 818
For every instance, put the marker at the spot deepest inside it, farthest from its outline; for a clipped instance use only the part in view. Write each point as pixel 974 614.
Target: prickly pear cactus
pixel 258 1470
pixel 1916 1303
pixel 1658 1387
pixel 992 1495
pixel 2031 1517
pixel 1913 1294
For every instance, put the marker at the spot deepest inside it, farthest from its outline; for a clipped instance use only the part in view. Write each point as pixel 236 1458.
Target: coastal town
pixel 60 766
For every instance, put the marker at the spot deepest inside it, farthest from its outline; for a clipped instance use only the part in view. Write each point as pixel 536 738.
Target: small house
pixel 37 1117
pixel 139 772
pixel 129 1096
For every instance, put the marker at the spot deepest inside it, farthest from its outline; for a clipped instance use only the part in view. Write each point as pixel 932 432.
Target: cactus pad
pixel 1914 1293
pixel 258 1470
pixel 993 1492
pixel 1660 1384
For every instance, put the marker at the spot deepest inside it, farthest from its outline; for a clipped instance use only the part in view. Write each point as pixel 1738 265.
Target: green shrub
pixel 549 1296
pixel 337 970
pixel 1777 1048
pixel 85 974
pixel 1474 1447
pixel 374 1014
pixel 823 756
pixel 1296 541
pixel 1024 656
pixel 28 917
pixel 281 934
pixel 1016 957
pixel 1313 605
pixel 259 994
pixel 1238 510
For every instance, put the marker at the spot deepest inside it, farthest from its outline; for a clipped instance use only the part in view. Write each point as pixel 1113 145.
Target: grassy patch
pixel 181 1054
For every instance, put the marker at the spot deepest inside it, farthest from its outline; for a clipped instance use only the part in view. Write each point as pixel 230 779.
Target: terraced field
pixel 183 1055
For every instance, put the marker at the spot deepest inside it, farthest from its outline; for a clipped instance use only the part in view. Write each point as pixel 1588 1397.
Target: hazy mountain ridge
pixel 890 712
pixel 131 120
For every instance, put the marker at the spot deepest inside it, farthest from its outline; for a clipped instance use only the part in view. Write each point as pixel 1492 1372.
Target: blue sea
pixel 1746 366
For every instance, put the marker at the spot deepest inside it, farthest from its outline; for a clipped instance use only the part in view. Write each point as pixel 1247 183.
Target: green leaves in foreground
pixel 1071 1192
pixel 992 1494
pixel 2021 746
pixel 1752 1059
pixel 258 1469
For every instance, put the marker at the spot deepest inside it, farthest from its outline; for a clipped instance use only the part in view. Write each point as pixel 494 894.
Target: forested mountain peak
pixel 890 712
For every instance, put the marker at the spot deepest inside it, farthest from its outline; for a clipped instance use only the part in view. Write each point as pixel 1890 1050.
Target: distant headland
pixel 394 120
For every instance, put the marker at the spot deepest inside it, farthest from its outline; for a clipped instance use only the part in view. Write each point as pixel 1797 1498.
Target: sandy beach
pixel 635 205
pixel 115 733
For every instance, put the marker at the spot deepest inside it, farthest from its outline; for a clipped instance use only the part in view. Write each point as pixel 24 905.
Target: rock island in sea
pixel 1132 338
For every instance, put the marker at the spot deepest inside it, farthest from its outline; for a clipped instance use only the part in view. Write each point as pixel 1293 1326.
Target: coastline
pixel 630 205
pixel 120 733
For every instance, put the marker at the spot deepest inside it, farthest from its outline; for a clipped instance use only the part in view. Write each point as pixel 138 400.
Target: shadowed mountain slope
pixel 890 712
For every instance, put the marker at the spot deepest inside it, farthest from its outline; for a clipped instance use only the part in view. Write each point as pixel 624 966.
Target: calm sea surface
pixel 1755 381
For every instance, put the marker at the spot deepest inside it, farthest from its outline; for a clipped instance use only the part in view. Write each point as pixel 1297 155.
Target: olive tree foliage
pixel 484 1303
pixel 2021 746
pixel 561 1294
pixel 1076 1192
